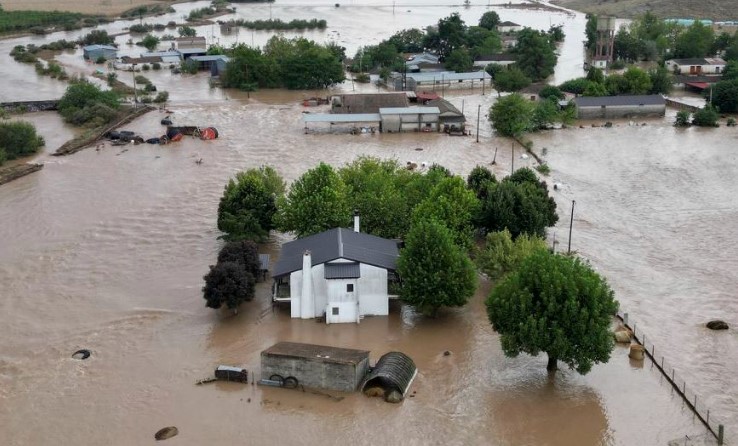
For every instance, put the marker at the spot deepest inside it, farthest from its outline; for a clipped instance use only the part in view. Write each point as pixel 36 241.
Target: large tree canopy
pixel 452 203
pixel 316 202
pixel 557 305
pixel 511 115
pixel 434 271
pixel 247 207
pixel 536 57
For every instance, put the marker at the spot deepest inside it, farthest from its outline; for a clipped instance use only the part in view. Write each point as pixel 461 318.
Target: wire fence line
pixel 690 398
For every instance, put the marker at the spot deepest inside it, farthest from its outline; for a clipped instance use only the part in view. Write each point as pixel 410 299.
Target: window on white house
pixel 334 311
pixel 350 288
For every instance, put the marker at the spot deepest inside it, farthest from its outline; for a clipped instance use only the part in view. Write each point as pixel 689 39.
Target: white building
pixel 340 274
pixel 696 66
pixel 508 27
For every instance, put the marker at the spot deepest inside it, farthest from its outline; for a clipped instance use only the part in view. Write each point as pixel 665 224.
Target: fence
pixel 680 385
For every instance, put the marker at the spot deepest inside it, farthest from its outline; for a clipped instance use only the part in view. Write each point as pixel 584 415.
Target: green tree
pixel 244 253
pixel 490 45
pixel 556 305
pixel 18 139
pixel 489 20
pixel 186 31
pixel 637 81
pixel 731 71
pixel 451 34
pixel 501 254
pixel 407 40
pixel 479 179
pixel 575 86
pixel 511 115
pixel 512 79
pixel 661 80
pixel 590 31
pixel 316 202
pixel 627 46
pixel 616 84
pixel 84 103
pixel 519 203
pixel 551 92
pixel 459 60
pixel 725 96
pixel 536 57
pixel 451 203
pixel 545 114
pixel 595 74
pixel 248 205
pixel 434 271
pixel 150 42
pixel 707 116
pixel 97 37
pixel 376 188
pixel 228 284
pixel 696 41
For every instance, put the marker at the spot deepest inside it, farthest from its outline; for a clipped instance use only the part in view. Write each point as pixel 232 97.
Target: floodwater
pixel 106 250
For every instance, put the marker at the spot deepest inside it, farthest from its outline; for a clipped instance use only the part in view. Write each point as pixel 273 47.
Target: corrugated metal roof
pixel 210 58
pixel 394 371
pixel 342 117
pixel 320 353
pixel 409 111
pixel 592 101
pixel 444 76
pixel 264 262
pixel 342 270
pixel 192 50
pixel 99 47
pixel 338 243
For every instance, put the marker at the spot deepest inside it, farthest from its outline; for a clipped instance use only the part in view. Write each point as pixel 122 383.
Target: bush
pixel 682 118
pixel 543 169
pixel 162 97
pixel 362 78
pixel 18 139
pixel 97 37
pixel 706 117
pixel 145 67
pixel 501 254
pixel 101 60
pixel 731 122
pixel 156 66
pixel 146 100
pixel 617 64
pixel 85 104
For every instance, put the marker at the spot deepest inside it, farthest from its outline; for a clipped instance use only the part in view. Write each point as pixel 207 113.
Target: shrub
pixel 146 100
pixel 18 139
pixel 362 77
pixel 156 66
pixel 101 60
pixel 682 118
pixel 706 117
pixel 731 122
pixel 543 169
pixel 162 97
pixel 617 64
pixel 145 67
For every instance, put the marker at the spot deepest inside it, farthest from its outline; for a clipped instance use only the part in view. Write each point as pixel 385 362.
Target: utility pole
pixel 512 158
pixel 479 112
pixel 462 106
pixel 483 73
pixel 571 224
pixel 135 94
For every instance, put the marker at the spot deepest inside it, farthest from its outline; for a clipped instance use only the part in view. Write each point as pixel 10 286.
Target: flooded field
pixel 106 250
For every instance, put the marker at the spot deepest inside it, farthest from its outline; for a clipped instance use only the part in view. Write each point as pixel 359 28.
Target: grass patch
pixel 39 21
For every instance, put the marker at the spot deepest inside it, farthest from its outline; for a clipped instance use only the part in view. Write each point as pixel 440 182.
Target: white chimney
pixel 356 220
pixel 307 300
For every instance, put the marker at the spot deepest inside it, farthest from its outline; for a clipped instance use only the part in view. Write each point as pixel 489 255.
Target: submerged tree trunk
pixel 551 367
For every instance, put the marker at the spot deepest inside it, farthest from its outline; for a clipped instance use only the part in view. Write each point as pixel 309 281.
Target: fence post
pixel 721 432
pixel 625 319
pixel 662 363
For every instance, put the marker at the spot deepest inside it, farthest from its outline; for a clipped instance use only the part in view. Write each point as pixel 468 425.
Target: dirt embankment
pixel 718 10
pixel 105 7
pixel 10 173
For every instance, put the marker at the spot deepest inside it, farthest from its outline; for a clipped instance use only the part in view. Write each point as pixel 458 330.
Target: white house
pixel 696 66
pixel 508 27
pixel 340 274
pixel 503 59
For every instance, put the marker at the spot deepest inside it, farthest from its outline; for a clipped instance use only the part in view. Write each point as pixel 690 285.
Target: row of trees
pixel 514 115
pixel 458 44
pixel 290 63
pixel 634 81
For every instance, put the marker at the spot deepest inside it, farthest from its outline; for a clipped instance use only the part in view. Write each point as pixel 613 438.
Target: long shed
pixel 619 106
pixel 316 366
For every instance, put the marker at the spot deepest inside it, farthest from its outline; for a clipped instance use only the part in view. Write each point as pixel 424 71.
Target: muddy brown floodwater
pixel 106 250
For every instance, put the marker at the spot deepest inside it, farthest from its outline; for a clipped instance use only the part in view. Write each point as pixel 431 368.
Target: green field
pixel 17 21
pixel 717 10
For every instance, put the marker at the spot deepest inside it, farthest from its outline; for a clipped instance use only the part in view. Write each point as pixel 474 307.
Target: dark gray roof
pixel 610 101
pixel 692 61
pixel 264 262
pixel 499 57
pixel 394 371
pixel 342 270
pixel 710 79
pixel 507 23
pixel 318 353
pixel 338 243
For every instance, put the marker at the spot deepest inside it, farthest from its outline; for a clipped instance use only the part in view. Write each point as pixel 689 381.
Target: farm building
pixel 94 52
pixel 340 274
pixel 422 119
pixel 366 103
pixel 190 42
pixel 619 106
pixel 187 53
pixel 696 66
pixel 167 57
pixel 503 59
pixel 216 64
pixel 439 78
pixel 316 366
pixel 449 114
pixel 508 27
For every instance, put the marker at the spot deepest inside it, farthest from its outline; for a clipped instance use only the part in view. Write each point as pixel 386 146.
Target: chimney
pixel 356 220
pixel 307 302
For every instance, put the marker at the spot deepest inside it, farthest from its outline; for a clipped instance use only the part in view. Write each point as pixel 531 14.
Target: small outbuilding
pixel 394 372
pixel 602 107
pixel 508 27
pixel 94 52
pixel 696 66
pixel 317 366
pixel 215 63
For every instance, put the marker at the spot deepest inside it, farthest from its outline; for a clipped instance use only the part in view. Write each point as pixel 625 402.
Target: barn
pixel 602 107
pixel 94 52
